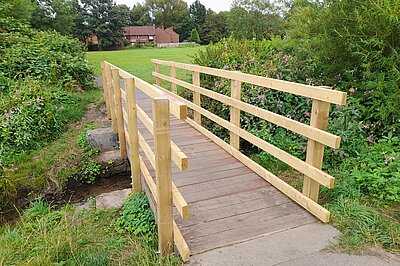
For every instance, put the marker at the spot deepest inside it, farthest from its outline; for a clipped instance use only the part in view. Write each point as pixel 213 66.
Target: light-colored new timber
pixel 313 172
pixel 196 96
pixel 162 151
pixel 316 134
pixel 236 90
pixel 133 134
pixel 313 92
pixel 111 100
pixel 172 73
pixel 119 112
pixel 105 89
pixel 315 150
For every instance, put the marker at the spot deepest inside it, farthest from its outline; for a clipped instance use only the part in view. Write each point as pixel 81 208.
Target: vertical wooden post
pixel 105 89
pixel 173 75
pixel 162 150
pixel 133 134
pixel 157 70
pixel 236 89
pixel 315 150
pixel 196 96
pixel 111 98
pixel 119 114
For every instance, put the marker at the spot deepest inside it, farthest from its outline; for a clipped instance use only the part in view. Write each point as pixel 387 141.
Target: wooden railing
pixel 316 133
pixel 125 114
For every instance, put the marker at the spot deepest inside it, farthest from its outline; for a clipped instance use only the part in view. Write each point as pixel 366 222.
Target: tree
pixel 18 9
pixel 105 20
pixel 255 19
pixel 214 28
pixel 171 13
pixel 140 15
pixel 198 13
pixel 194 36
pixel 54 14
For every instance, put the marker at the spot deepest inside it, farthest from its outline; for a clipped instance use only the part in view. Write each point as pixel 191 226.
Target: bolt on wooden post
pixel 315 150
pixel 162 150
pixel 105 89
pixel 196 96
pixel 133 134
pixel 119 114
pixel 111 98
pixel 236 89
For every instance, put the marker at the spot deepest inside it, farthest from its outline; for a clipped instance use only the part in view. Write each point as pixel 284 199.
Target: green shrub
pixel 137 218
pixel 30 115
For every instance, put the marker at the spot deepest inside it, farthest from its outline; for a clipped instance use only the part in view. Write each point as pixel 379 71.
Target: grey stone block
pixel 103 139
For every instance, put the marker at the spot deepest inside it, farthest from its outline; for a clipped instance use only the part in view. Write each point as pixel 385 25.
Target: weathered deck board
pixel 228 202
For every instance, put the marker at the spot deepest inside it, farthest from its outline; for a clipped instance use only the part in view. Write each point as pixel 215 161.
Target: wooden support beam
pixel 157 70
pixel 180 202
pixel 105 89
pixel 147 150
pixel 162 147
pixel 111 98
pixel 236 90
pixel 119 112
pixel 173 75
pixel 133 134
pixel 196 96
pixel 315 150
pixel 180 244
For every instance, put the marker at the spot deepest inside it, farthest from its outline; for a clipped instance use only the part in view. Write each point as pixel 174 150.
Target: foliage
pixel 89 169
pixel 197 12
pixel 46 56
pixel 18 9
pixel 354 45
pixel 214 27
pixel 29 115
pixel 140 15
pixel 105 20
pixel 46 236
pixel 137 218
pixel 171 13
pixel 254 19
pixel 194 36
pixel 54 14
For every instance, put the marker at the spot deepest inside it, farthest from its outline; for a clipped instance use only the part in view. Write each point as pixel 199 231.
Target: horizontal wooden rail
pixel 301 166
pixel 313 133
pixel 178 109
pixel 313 92
pixel 183 210
pixel 178 157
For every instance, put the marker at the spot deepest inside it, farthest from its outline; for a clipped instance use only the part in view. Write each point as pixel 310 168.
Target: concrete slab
pixel 328 259
pixel 272 249
pixel 112 200
pixel 301 246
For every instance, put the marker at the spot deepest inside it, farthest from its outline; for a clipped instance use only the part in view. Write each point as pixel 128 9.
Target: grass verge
pixel 45 236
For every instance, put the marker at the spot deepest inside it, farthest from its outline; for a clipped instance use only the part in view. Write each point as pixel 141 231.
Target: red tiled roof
pixel 140 30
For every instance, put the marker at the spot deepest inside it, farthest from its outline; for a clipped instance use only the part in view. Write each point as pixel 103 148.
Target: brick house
pixel 150 34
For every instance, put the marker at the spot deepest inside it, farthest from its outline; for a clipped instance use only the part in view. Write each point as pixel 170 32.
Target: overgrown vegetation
pixel 45 83
pixel 46 236
pixel 352 46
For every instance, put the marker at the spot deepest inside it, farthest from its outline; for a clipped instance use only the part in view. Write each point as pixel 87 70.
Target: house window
pixel 151 38
pixel 138 37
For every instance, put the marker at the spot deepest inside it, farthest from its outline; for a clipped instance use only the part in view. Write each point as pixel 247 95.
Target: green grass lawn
pixel 137 61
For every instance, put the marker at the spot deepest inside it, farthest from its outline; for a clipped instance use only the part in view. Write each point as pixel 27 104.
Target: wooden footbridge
pixel 204 192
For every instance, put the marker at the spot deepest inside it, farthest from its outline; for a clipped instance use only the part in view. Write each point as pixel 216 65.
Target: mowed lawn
pixel 138 61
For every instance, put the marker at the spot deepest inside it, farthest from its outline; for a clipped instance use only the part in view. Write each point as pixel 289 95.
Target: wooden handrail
pixel 125 124
pixel 313 92
pixel 316 133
